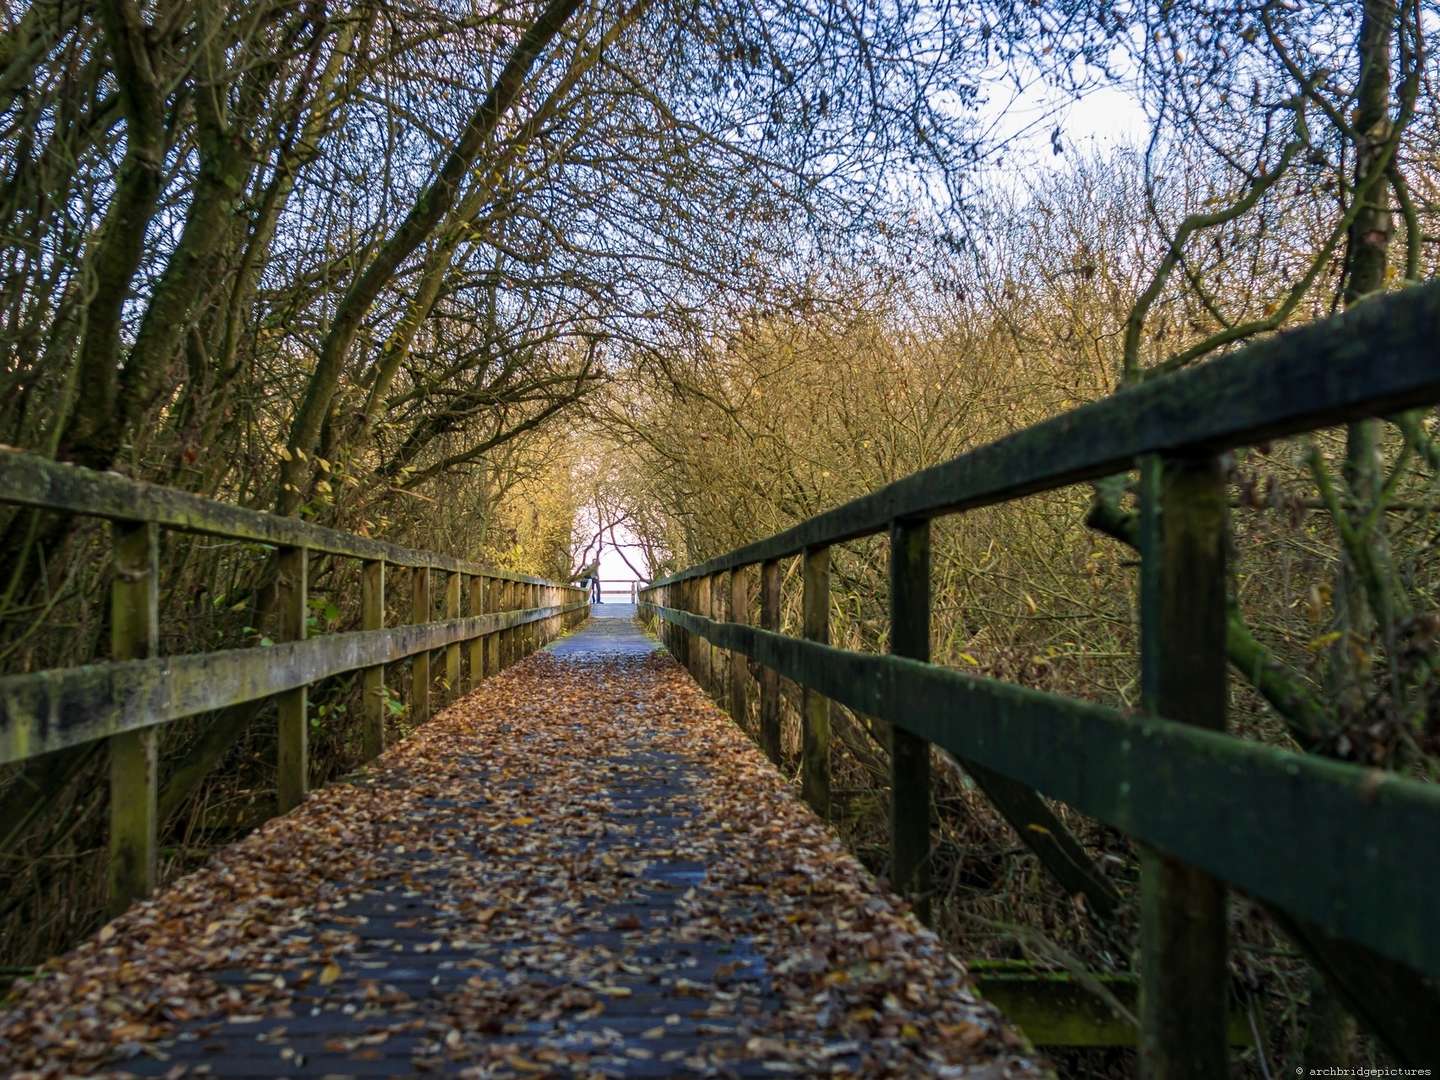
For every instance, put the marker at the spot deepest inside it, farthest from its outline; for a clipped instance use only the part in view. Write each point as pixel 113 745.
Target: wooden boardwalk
pixel 581 869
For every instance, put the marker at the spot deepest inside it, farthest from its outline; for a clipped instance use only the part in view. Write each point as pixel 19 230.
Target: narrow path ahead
pixel 581 869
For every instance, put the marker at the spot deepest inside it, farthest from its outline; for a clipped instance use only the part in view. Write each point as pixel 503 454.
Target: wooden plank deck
pixel 581 869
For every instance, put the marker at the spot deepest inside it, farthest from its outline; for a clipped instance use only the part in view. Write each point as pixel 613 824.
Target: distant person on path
pixel 591 576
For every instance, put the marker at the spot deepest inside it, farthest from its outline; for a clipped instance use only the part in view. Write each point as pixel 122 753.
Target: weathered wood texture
pixel 375 704
pixel 1395 1002
pixel 572 887
pixel 509 640
pixel 422 610
pixel 1295 839
pixel 533 630
pixel 475 651
pixel 704 652
pixel 910 754
pixel 739 677
pixel 134 635
pixel 1048 838
pixel 1329 847
pixel 769 677
pixel 28 480
pixel 452 651
pixel 1054 1009
pixel 50 710
pixel 493 603
pixel 292 765
pixel 125 701
pixel 815 708
pixel 1184 979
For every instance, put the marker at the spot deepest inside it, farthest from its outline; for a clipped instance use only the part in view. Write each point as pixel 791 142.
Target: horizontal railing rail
pixel 1340 854
pixel 620 587
pixel 52 710
pixel 29 480
pixel 126 700
pixel 1126 771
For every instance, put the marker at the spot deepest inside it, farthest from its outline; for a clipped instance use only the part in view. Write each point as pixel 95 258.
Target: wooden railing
pixel 625 587
pixel 505 616
pixel 1344 856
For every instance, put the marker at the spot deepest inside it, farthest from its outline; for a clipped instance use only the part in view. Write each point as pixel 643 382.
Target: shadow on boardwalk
pixel 582 869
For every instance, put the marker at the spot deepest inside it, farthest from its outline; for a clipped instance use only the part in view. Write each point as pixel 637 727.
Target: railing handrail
pixel 1379 357
pixel 49 710
pixel 126 699
pixel 1017 732
pixel 30 480
pixel 1334 848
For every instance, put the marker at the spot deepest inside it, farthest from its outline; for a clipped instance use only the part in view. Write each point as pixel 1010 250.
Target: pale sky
pixel 1104 117
pixel 612 566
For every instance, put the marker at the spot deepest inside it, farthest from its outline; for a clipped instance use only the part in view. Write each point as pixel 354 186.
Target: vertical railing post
pixel 475 605
pixel 134 635
pixel 719 682
pixel 1183 975
pixel 688 648
pixel 769 677
pixel 495 643
pixel 492 641
pixel 522 601
pixel 452 651
pixel 739 679
pixel 372 615
pixel 508 641
pixel 422 610
pixel 680 601
pixel 520 593
pixel 720 658
pixel 704 653
pixel 293 753
pixel 527 631
pixel 694 643
pixel 675 598
pixel 681 592
pixel 815 740
pixel 910 754
pixel 517 636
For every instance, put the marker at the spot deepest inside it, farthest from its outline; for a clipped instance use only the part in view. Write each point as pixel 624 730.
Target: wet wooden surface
pixel 580 869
